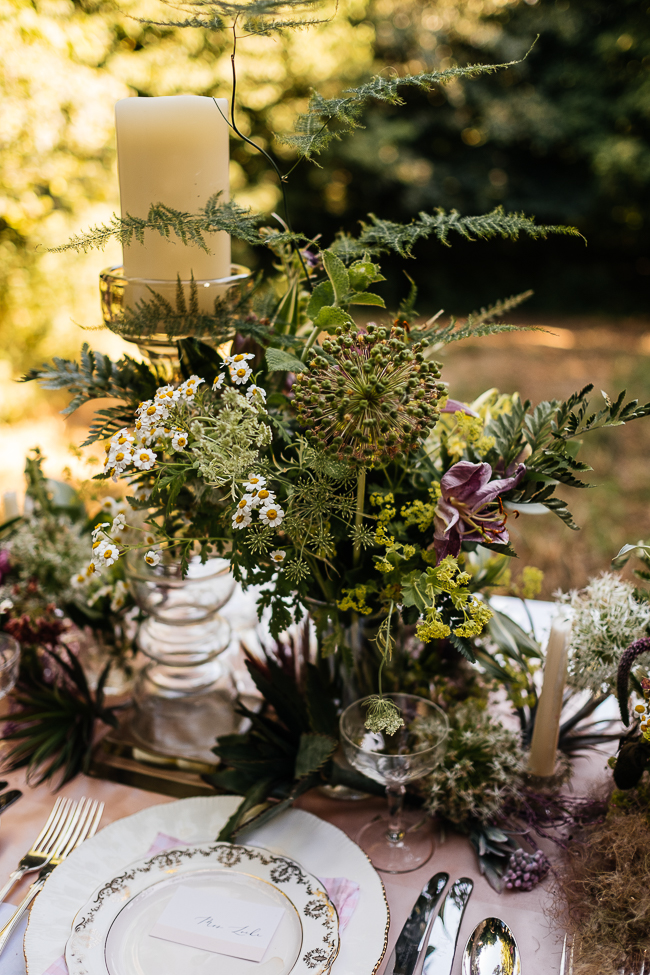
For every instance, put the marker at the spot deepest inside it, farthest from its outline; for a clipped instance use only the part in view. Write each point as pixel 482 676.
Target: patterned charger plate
pixel 111 933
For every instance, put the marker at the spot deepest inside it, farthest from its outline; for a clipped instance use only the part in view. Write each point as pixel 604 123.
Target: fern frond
pixel 313 133
pixel 257 17
pixel 190 228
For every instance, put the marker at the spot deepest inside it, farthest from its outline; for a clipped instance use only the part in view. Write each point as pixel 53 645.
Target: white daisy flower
pixel 245 504
pixel 254 483
pixel 122 438
pixel 218 383
pixel 99 530
pixel 187 390
pixel 242 519
pixel 99 594
pixel 241 374
pixel 119 594
pixel 110 554
pixel 264 497
pixel 91 568
pixel 119 523
pixel 179 440
pixel 279 555
pixel 167 394
pixel 79 579
pixel 241 357
pixel 153 558
pixel 272 515
pixel 144 458
pixel 255 394
pixel 107 503
pixel 141 492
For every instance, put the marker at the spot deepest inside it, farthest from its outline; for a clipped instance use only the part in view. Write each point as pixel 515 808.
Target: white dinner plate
pixel 111 935
pixel 322 849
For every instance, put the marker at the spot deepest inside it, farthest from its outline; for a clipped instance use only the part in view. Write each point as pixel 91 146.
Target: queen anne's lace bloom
pixel 606 619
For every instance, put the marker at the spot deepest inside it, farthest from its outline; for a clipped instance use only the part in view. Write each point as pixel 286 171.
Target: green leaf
pixel 330 318
pixel 338 275
pixel 313 752
pixel 253 797
pixel 323 294
pixel 367 298
pixel 413 593
pixel 280 361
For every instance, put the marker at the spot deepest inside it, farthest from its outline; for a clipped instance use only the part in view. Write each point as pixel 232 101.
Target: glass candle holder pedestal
pixel 183 697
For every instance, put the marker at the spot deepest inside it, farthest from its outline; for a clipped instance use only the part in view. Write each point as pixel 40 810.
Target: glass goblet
pixel 393 760
pixel 9 663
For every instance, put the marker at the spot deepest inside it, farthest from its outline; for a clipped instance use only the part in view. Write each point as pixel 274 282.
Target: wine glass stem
pixel 395 797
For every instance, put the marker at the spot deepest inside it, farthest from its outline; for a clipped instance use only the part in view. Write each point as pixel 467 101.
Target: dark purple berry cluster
pixel 525 870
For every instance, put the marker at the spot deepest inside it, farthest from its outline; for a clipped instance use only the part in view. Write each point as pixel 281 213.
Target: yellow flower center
pixel 241 372
pixel 151 410
pixel 263 494
pixel 239 519
pixel 271 513
pixel 119 457
pixel 238 358
pixel 91 568
pixel 144 456
pixel 107 448
pixel 253 480
pixel 108 554
pixel 122 440
pixel 97 543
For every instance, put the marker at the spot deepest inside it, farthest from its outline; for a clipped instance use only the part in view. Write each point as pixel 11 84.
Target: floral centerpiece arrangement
pixel 323 455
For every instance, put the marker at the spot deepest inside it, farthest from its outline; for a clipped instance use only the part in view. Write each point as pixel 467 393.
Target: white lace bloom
pixel 144 459
pixel 110 554
pixel 254 482
pixel 152 558
pixel 279 555
pixel 6 605
pixel 255 394
pixel 218 383
pixel 606 617
pixel 241 519
pixel 241 374
pixel 179 440
pixel 272 515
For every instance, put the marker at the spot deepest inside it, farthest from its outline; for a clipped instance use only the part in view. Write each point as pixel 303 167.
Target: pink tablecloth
pixel 540 945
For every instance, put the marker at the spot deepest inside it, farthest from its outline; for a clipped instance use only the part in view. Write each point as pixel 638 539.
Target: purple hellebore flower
pixel 5 565
pixel 454 406
pixel 466 510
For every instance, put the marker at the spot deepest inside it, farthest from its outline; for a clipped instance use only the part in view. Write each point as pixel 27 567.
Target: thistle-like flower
pixel 377 398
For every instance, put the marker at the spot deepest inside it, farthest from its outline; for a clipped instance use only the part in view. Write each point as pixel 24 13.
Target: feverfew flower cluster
pixel 643 710
pixel 258 497
pixel 153 430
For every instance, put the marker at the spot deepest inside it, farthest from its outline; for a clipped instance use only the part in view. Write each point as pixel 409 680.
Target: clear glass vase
pixel 182 697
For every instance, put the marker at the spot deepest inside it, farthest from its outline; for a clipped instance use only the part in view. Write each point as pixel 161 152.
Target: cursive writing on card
pixel 202 917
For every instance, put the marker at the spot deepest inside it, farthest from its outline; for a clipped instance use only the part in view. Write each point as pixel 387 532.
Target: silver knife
pixel 409 944
pixel 441 947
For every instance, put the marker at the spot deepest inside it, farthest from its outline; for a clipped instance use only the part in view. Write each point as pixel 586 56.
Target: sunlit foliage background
pixel 564 135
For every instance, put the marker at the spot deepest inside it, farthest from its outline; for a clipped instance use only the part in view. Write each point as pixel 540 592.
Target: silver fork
pixel 80 825
pixel 43 846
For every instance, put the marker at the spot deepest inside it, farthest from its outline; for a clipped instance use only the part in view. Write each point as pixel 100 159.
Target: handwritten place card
pixel 204 918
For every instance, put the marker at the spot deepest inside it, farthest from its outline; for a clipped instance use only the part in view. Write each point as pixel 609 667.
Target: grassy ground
pixel 612 356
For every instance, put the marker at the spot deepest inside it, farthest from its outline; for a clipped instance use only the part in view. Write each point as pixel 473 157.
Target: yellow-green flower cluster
pixel 421 514
pixel 355 600
pixel 446 578
pixel 468 432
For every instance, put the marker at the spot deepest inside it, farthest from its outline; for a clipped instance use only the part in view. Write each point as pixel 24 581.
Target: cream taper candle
pixel 173 150
pixel 543 747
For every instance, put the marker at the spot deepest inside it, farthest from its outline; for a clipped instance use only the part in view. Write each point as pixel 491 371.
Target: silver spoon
pixel 491 950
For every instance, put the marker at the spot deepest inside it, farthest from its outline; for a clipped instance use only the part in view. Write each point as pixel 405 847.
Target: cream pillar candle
pixel 543 747
pixel 173 150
